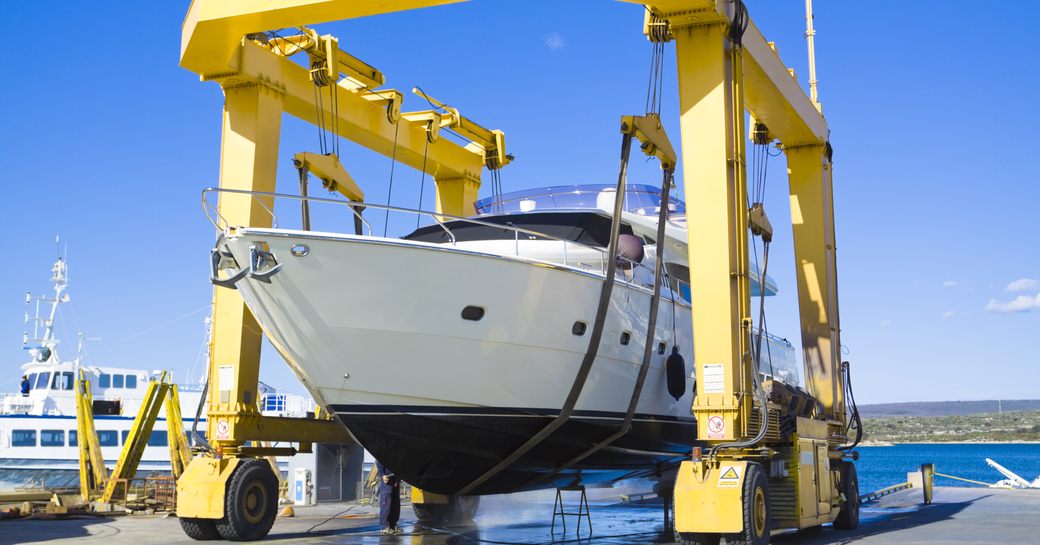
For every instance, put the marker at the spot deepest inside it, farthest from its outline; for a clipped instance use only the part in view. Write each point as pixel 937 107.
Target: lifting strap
pixel 651 330
pixel 594 339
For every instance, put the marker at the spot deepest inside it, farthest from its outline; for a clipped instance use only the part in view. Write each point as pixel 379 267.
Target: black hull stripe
pixel 496 411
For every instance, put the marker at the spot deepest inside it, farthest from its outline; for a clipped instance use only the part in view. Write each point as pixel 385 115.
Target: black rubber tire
pixel 459 511
pixel 200 529
pixel 755 501
pixel 848 485
pixel 697 539
pixel 250 502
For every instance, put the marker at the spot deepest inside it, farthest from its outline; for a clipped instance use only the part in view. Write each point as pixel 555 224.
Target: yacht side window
pixel 117 381
pixel 41 380
pixel 104 381
pixel 131 381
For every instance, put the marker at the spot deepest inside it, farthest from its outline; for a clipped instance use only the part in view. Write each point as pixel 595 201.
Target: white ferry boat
pixel 38 423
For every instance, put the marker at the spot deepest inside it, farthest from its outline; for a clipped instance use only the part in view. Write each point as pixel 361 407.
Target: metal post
pixel 927 478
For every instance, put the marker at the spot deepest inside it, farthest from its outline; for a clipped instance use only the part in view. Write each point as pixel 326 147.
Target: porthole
pixel 299 250
pixel 473 313
pixel 579 328
pixel 626 337
pixel 660 348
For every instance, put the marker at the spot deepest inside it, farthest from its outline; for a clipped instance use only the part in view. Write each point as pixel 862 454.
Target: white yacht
pixel 445 350
pixel 38 434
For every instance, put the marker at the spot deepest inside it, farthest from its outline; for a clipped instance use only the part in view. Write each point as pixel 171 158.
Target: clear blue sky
pixel 108 142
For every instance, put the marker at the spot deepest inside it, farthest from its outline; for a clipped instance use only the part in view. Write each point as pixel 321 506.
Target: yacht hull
pixel 374 329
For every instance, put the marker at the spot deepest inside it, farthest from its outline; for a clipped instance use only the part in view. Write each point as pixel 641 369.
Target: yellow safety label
pixel 730 477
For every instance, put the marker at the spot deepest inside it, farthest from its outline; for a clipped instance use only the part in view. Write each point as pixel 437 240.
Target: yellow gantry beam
pixel 213 30
pixel 771 94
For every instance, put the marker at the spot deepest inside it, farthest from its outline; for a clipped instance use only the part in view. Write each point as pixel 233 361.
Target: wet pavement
pixel 958 515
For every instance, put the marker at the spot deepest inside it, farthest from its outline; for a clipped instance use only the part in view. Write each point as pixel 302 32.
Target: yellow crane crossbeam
pixel 361 117
pixel 771 93
pixel 212 31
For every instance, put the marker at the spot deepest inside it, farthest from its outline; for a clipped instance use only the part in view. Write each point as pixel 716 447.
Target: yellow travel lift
pixel 777 457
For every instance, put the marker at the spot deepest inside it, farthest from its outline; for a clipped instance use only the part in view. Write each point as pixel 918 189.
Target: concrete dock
pixel 958 515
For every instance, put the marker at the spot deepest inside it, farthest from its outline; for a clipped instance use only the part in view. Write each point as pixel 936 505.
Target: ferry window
pixel 62 381
pixel 52 438
pixel 108 438
pixel 41 381
pixel 131 381
pixel 23 438
pixel 72 438
pixel 117 381
pixel 158 438
pixel 104 381
pixel 32 380
pixel 274 402
pixel 125 433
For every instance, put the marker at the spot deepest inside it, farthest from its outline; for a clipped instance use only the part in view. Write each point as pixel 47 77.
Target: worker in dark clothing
pixel 389 500
pixel 25 386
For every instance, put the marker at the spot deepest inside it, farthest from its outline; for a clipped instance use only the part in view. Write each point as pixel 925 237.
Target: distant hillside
pixel 948 408
pixel 1007 426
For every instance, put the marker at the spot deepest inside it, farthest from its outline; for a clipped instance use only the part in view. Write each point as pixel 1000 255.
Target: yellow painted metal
pixel 456 196
pixel 363 117
pixel 92 470
pixel 708 498
pixel 712 124
pixel 331 173
pixel 812 219
pixel 429 498
pixel 493 141
pixel 653 140
pixel 772 95
pixel 248 160
pixel 180 451
pixel 213 28
pixel 200 490
pixel 137 439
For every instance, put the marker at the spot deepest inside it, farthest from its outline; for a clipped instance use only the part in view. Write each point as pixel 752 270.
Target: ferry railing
pixel 267 199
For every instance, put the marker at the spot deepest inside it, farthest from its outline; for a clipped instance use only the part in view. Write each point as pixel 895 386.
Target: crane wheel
pixel 756 509
pixel 200 529
pixel 250 503
pixel 848 485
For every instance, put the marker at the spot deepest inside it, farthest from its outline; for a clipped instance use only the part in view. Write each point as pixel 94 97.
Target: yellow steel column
pixel 248 160
pixel 712 122
pixel 812 220
pixel 457 196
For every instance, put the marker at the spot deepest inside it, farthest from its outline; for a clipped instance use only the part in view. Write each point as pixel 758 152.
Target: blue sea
pixel 879 467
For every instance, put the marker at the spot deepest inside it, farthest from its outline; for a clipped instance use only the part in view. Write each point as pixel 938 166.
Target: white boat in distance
pixel 38 434
pixel 445 350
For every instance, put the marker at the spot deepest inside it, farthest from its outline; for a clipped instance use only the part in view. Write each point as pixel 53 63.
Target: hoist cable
pixel 422 180
pixel 390 190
